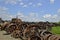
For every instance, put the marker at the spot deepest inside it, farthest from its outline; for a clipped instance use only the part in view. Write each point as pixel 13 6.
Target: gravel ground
pixel 6 37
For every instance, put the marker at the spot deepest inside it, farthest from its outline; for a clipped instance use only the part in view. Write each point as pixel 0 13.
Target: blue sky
pixel 31 10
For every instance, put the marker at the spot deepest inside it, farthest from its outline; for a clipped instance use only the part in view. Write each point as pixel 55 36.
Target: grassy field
pixel 56 30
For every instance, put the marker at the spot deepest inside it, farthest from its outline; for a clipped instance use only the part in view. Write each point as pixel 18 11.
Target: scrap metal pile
pixel 25 31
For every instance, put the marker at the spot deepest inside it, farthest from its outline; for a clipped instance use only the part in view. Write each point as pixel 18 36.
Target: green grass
pixel 56 30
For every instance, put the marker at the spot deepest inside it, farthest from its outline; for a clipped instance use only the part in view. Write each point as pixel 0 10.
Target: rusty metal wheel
pixel 16 34
pixel 10 28
pixel 35 38
pixel 0 27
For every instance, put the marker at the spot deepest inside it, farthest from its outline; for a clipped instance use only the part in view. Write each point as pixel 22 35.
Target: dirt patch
pixel 6 37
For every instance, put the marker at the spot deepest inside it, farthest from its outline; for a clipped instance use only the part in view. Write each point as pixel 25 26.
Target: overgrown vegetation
pixel 56 30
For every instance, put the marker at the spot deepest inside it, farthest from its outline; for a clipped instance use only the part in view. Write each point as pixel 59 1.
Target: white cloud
pixel 4 14
pixel 19 14
pixel 19 0
pixel 39 4
pixel 25 5
pixel 58 10
pixel 3 8
pixel 47 16
pixel 52 1
pixel 54 16
pixel 51 18
pixel 12 1
pixel 32 14
pixel 31 17
pixel 30 3
pixel 21 3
